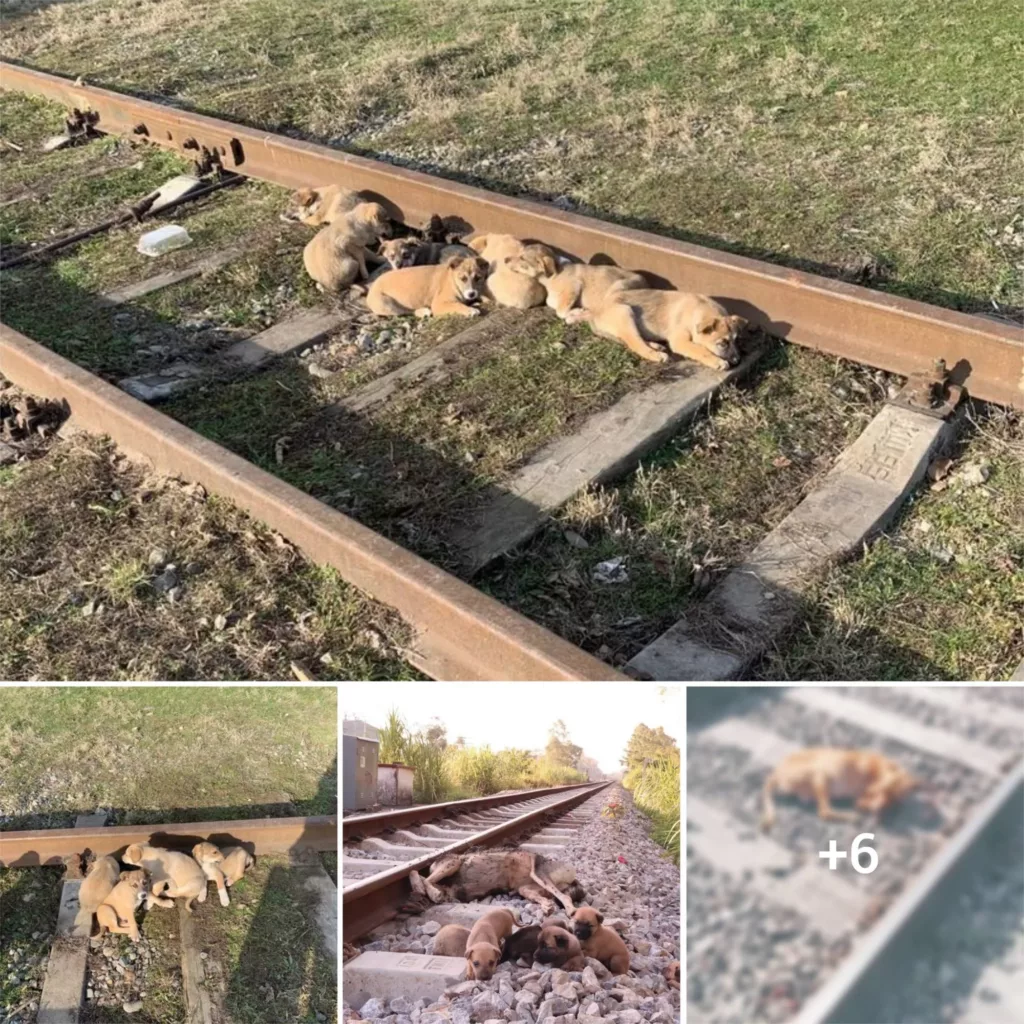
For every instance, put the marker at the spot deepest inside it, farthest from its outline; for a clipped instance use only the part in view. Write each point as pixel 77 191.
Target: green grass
pixel 155 754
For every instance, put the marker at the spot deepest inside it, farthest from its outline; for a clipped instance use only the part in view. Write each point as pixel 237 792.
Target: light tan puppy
pixel 496 248
pixel 451 941
pixel 100 879
pixel 693 326
pixel 599 942
pixel 825 773
pixel 335 257
pixel 425 291
pixel 411 252
pixel 173 874
pixel 317 206
pixel 507 286
pixel 117 912
pixel 211 860
pixel 579 284
pixel 237 860
pixel 483 947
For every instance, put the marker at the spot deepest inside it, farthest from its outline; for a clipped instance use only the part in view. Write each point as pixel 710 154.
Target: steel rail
pixel 266 835
pixel 866 326
pixel 839 993
pixel 460 632
pixel 359 826
pixel 378 898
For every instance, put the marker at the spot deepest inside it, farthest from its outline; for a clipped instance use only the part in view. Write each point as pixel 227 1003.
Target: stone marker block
pixel 387 976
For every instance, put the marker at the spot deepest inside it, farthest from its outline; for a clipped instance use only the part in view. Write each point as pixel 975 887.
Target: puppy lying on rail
pixel 822 774
pixel 173 874
pixel 430 291
pixel 319 206
pixel 335 257
pixel 412 252
pixel 471 876
pixel 574 284
pixel 222 867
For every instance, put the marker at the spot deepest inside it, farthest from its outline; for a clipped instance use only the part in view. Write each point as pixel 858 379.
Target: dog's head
pixel 135 853
pixel 716 331
pixel 554 946
pixel 671 974
pixel 586 921
pixel 536 261
pixel 309 206
pixel 891 784
pixel 468 276
pixel 207 853
pixel 484 957
pixel 400 252
pixel 133 879
pixel 561 874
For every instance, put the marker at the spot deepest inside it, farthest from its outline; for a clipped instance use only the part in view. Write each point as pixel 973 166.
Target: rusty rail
pixel 460 633
pixel 263 835
pixel 359 826
pixel 367 904
pixel 895 334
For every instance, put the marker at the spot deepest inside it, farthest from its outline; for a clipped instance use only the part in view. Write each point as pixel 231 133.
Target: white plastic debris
pixel 163 240
pixel 611 571
pixel 173 190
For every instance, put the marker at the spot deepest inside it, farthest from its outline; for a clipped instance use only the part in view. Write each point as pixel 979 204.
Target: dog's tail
pixel 768 817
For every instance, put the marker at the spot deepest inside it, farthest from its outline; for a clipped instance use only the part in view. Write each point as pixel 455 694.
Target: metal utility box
pixel 394 785
pixel 359 747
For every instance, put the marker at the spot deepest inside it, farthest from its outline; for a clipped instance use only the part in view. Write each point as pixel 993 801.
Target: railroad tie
pixel 198 1009
pixel 608 445
pixel 64 985
pixel 148 285
pixel 759 600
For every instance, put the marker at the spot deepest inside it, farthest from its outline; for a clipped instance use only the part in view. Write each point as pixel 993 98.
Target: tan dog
pixel 826 773
pixel 439 291
pixel 100 879
pixel 693 326
pixel 483 947
pixel 599 942
pixel 496 248
pixel 411 252
pixel 451 941
pixel 174 874
pixel 335 257
pixel 323 205
pixel 211 860
pixel 117 912
pixel 576 284
pixel 508 287
pixel 237 860
pixel 559 948
pixel 671 974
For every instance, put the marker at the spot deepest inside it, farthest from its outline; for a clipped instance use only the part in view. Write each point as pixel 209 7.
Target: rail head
pixel 884 330
pixel 374 900
pixel 43 847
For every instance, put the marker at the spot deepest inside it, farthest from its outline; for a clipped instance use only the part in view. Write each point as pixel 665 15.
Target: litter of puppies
pixel 155 878
pixel 438 273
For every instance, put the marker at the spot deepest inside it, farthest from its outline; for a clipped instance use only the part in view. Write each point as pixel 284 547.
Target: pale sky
pixel 600 716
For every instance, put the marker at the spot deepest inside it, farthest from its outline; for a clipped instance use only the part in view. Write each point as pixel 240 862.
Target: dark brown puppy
pixel 483 947
pixel 599 942
pixel 522 944
pixel 559 948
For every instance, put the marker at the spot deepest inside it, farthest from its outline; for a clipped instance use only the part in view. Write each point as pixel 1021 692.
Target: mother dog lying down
pixel 472 876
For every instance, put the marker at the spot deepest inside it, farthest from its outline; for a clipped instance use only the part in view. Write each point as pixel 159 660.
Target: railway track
pixel 459 632
pixel 774 935
pixel 64 992
pixel 375 870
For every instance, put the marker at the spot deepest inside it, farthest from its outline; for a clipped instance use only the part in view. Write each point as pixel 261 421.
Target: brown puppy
pixel 508 287
pixel 483 947
pixel 411 252
pixel 451 941
pixel 317 206
pixel 426 291
pixel 693 326
pixel 335 257
pixel 599 942
pixel 117 912
pixel 174 874
pixel 237 860
pixel 671 974
pixel 100 879
pixel 589 287
pixel 560 948
pixel 522 944
pixel 824 773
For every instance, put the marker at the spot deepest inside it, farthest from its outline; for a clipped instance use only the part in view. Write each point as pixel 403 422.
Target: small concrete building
pixel 394 785
pixel 359 747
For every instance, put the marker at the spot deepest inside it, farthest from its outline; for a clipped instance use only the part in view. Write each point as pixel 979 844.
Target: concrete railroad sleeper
pixel 374 900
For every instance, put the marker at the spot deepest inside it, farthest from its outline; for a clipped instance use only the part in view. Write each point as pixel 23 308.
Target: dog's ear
pixel 477 243
pixel 469 953
pixel 453 261
pixel 706 324
pixel 549 265
pixel 599 916
pixel 305 197
pixel 482 265
pixel 737 323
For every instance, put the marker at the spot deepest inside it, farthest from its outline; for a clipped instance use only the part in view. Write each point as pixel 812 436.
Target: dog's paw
pixel 576 316
pixel 473 311
pixel 657 356
pixel 224 901
pixel 423 312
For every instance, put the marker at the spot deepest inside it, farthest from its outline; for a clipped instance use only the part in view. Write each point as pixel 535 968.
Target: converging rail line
pixel 460 632
pixel 376 884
